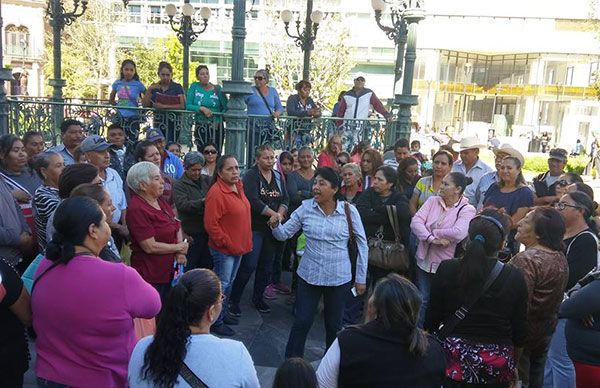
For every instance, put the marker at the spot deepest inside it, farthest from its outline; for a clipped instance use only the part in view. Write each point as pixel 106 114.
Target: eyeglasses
pixel 562 182
pixel 562 206
pixel 341 162
pixel 258 78
pixel 209 152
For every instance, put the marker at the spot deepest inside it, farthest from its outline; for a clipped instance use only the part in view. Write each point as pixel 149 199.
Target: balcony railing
pixel 285 133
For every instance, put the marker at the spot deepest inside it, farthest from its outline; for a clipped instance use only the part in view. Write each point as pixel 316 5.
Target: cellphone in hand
pixel 354 292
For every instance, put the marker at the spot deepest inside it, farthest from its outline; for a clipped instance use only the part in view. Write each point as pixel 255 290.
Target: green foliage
pixel 577 164
pixel 539 163
pixel 596 83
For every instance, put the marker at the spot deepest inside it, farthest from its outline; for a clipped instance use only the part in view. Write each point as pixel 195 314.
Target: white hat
pixel 467 143
pixel 510 151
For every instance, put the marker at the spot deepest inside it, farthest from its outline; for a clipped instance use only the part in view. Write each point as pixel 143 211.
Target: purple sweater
pixel 83 318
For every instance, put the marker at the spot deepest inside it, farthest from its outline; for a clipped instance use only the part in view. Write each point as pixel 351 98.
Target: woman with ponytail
pixel 480 347
pixel 390 350
pixel 183 350
pixel 83 306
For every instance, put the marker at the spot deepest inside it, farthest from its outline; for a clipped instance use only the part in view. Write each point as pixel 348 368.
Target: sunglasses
pixel 562 206
pixel 340 162
pixel 563 183
pixel 258 78
pixel 209 152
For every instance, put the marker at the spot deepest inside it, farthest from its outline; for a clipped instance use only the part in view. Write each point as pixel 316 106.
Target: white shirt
pixel 476 172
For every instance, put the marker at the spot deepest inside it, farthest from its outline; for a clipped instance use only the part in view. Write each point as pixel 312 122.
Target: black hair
pixel 585 189
pixel 302 84
pixel 115 126
pixel 29 134
pixel 219 166
pixel 132 63
pixel 390 175
pixel 72 220
pixel 7 141
pixel 486 237
pixel 195 292
pixel 573 177
pixel 329 174
pixel 549 226
pixel 396 303
pixel 586 204
pixel 211 144
pixel 74 175
pixel 169 144
pixel 295 373
pixel 164 65
pixel 90 190
pixel 520 178
pixel 401 143
pixel 445 153
pixel 460 180
pixel 403 165
pixel 64 126
pixel 140 150
pixel 415 142
pixel 286 155
pixel 200 67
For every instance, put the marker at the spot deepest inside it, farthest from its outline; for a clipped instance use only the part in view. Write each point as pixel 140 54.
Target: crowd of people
pixel 128 262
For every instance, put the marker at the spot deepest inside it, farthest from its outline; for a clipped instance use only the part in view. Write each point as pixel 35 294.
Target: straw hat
pixel 510 151
pixel 468 143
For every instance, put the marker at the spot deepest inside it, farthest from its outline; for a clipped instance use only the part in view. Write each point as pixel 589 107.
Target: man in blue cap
pixel 171 164
pixel 95 149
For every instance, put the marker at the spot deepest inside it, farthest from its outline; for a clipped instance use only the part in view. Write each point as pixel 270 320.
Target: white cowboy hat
pixel 510 151
pixel 467 143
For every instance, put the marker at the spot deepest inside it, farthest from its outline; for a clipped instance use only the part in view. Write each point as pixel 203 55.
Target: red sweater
pixel 227 219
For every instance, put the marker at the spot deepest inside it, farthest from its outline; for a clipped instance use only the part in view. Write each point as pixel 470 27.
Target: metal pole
pixel 307 45
pixel 5 74
pixel 236 116
pixel 186 27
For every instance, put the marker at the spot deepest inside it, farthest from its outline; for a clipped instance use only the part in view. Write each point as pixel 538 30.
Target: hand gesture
pixel 21 196
pixel 207 112
pixel 360 288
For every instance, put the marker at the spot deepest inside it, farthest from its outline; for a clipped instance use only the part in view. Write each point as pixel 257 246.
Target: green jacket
pixel 214 99
pixel 189 201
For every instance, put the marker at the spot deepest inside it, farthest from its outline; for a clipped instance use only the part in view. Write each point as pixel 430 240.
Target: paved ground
pixel 265 336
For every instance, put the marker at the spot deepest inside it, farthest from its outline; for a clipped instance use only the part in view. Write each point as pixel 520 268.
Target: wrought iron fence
pixel 191 129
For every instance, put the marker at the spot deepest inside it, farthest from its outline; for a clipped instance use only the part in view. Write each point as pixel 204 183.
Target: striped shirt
pixel 45 201
pixel 326 261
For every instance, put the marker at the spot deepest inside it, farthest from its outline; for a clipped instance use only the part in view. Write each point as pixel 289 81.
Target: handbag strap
pixel 349 219
pixel 463 310
pixel 264 100
pixel 190 377
pixel 392 213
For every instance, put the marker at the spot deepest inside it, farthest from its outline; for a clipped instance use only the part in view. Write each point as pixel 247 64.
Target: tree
pixel 86 48
pixel 331 60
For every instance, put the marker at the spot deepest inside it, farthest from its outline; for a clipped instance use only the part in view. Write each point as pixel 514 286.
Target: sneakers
pixel 270 292
pixel 234 310
pixel 230 320
pixel 222 330
pixel 262 307
pixel 281 288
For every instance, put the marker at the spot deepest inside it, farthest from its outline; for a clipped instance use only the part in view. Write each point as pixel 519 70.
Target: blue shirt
pixel 326 261
pixel 476 172
pixel 511 202
pixel 62 150
pixel 114 185
pixel 128 93
pixel 172 166
pixel 484 184
pixel 256 105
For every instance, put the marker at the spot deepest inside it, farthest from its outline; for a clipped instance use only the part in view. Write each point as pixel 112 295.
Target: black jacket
pixel 373 213
pixel 189 201
pixel 254 183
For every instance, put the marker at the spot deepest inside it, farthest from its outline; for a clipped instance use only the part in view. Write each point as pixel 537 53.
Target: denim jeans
pixel 559 370
pixel 531 364
pixel 226 267
pixel 424 285
pixel 307 300
pixel 260 259
pixel 198 255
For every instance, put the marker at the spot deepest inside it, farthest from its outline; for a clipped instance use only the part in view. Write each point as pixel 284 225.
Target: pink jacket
pixel 435 220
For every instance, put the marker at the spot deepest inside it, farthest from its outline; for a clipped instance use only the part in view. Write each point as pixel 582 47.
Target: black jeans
pixel 307 301
pixel 531 364
pixel 264 247
pixel 198 255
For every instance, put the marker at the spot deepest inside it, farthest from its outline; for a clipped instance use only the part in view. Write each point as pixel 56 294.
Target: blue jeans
pixel 559 370
pixel 307 300
pixel 260 259
pixel 226 268
pixel 423 283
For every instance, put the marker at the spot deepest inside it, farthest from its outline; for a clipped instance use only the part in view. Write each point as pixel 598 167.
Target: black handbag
pixel 389 255
pixel 352 244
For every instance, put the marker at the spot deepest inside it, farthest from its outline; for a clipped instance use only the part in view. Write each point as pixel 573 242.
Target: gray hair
pixel 263 73
pixel 43 161
pixel 140 172
pixel 354 168
pixel 192 158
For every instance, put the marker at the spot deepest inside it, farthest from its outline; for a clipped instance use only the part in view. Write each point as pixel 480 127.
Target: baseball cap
pixel 154 134
pixel 94 143
pixel 558 154
pixel 359 77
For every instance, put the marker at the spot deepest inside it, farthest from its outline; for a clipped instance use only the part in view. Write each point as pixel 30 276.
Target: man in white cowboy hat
pixel 493 176
pixel 470 164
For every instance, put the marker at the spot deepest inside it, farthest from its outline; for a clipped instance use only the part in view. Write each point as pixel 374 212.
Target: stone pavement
pixel 265 336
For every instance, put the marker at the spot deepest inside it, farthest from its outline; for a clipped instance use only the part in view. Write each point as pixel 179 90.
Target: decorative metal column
pixel 405 16
pixel 183 25
pixel 5 75
pixel 236 116
pixel 304 39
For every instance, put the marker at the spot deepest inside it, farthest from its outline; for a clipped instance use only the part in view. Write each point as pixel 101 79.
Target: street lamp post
pixel 304 39
pixel 5 75
pixel 405 16
pixel 183 25
pixel 468 68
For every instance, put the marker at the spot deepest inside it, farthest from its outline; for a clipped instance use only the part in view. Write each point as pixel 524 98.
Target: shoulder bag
pixel 447 327
pixel 390 255
pixel 352 244
pixel 190 377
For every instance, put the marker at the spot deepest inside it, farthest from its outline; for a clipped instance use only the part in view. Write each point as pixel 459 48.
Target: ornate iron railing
pixel 286 132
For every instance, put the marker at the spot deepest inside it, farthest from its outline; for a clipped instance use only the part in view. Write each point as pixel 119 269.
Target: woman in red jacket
pixel 227 222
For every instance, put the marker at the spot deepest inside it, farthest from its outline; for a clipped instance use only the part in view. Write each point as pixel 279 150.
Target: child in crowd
pixel 117 150
pixel 175 149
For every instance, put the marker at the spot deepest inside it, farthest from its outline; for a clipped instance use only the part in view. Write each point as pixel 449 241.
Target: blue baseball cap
pixel 94 143
pixel 154 135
